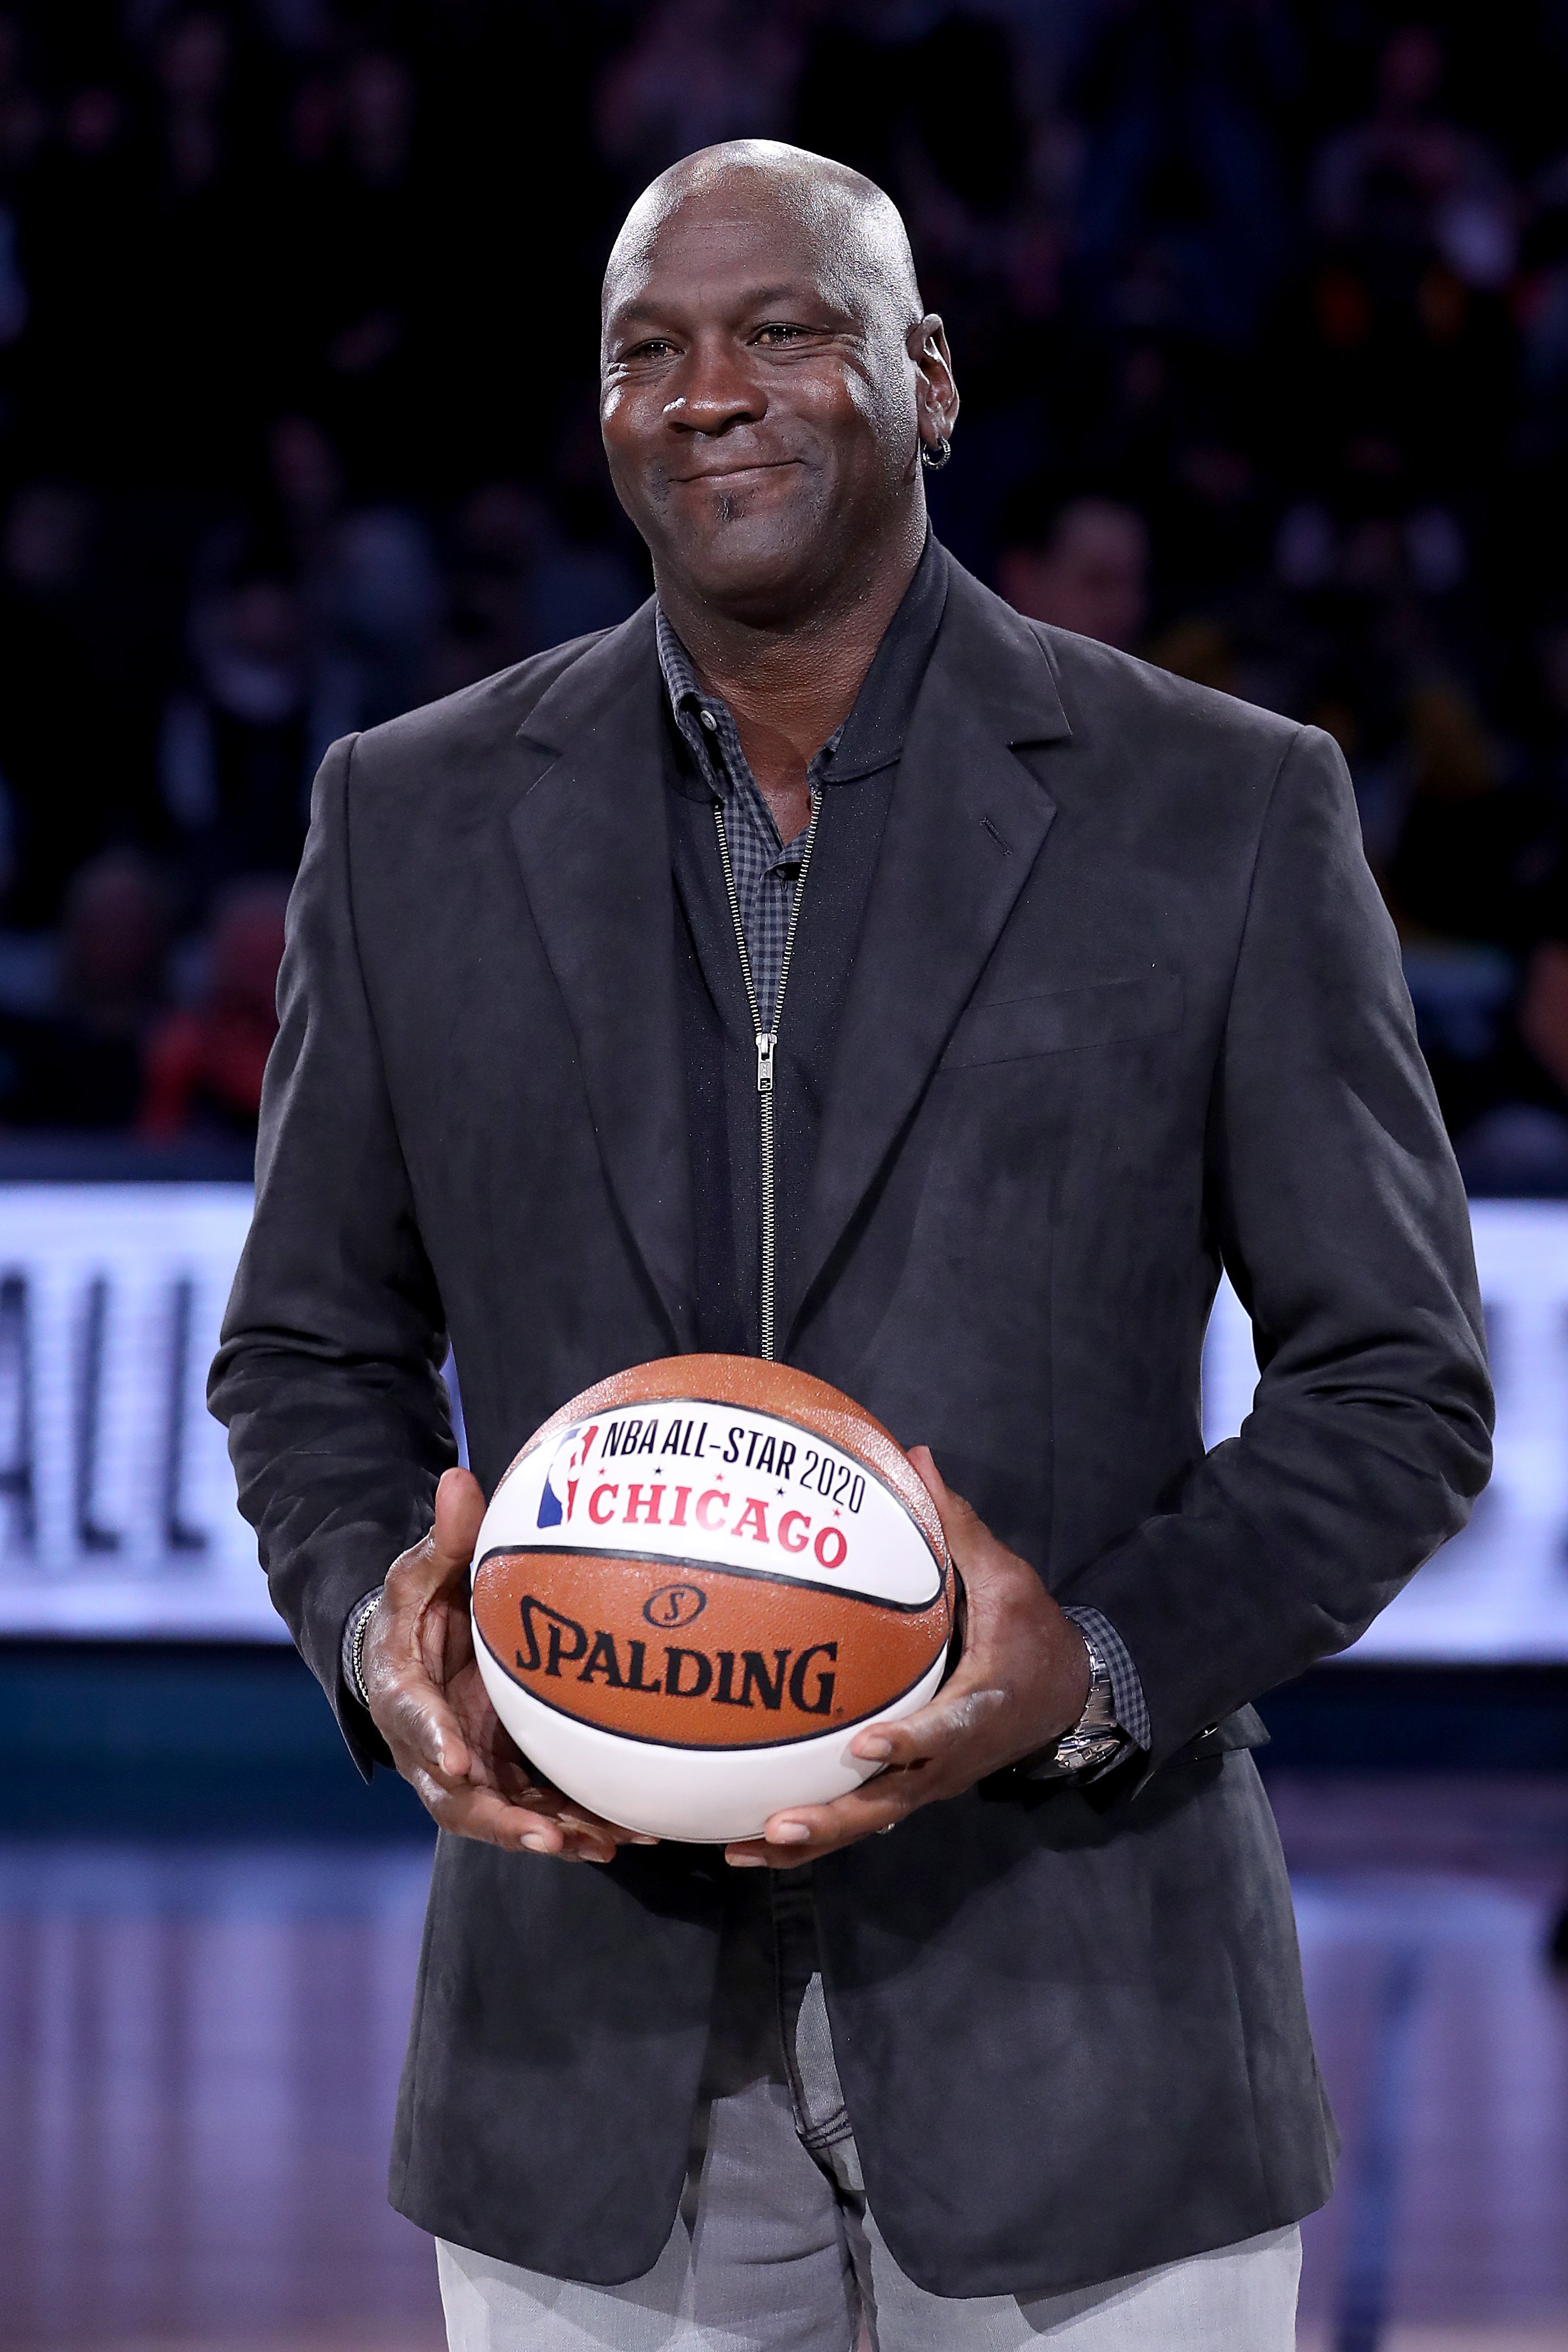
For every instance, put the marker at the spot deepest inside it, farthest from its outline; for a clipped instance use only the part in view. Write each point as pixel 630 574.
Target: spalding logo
pixel 729 1678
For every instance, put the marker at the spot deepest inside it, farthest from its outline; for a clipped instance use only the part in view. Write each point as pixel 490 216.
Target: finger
pixel 574 1817
pixel 511 1780
pixel 961 1522
pixel 443 1553
pixel 976 1686
pixel 416 1721
pixel 806 1832
pixel 484 1814
pixel 459 1508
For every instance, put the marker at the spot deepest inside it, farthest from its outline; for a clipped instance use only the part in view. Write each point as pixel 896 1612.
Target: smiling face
pixel 766 375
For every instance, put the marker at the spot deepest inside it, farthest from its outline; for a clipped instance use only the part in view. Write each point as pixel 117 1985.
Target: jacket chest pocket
pixel 1107 1014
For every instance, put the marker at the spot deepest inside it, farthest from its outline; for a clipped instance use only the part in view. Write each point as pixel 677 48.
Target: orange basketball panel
pixel 697 1656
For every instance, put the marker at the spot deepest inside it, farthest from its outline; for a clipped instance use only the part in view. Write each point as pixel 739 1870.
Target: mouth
pixel 738 473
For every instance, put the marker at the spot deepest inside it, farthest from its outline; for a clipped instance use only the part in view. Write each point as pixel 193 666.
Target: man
pixel 1089 991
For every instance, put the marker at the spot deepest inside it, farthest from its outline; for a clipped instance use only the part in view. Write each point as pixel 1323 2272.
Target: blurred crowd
pixel 1259 309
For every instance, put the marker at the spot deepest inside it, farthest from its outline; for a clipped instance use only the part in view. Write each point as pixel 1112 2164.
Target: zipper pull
pixel 765 1044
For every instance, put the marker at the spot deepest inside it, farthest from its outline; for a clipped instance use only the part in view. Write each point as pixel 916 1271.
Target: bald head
pixel 856 230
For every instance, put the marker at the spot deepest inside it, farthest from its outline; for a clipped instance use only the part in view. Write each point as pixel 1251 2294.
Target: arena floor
pixel 201 2046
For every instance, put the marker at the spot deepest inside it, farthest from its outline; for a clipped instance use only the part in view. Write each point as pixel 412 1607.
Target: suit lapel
pixel 965 826
pixel 592 838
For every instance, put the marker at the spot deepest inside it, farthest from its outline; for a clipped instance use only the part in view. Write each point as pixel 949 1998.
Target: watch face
pixel 1081 1750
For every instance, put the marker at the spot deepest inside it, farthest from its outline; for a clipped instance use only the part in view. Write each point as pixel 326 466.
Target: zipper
pixel 766 1041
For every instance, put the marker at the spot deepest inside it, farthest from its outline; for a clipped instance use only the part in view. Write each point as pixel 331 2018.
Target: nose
pixel 713 391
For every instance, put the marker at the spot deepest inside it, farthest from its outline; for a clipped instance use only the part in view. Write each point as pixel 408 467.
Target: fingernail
pixel 788 1833
pixel 745 1861
pixel 874 1749
pixel 537 1845
pixel 637 1838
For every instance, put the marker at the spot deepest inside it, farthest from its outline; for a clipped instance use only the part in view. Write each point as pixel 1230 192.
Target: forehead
pixel 716 251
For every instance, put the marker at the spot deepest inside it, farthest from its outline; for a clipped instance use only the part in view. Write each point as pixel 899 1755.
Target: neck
pixel 793 679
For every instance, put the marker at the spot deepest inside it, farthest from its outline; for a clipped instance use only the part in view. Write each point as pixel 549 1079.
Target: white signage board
pixel 117 1503
pixel 1498 1592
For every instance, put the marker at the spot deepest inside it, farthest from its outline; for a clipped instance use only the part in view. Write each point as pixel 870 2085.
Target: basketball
pixel 693 1586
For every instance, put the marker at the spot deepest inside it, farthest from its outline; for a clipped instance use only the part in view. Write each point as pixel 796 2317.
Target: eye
pixel 780 331
pixel 656 347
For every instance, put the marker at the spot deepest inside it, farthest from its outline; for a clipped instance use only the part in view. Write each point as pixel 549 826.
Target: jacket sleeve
pixel 1342 1223
pixel 329 1372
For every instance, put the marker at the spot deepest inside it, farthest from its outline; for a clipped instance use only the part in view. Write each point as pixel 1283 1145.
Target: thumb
pixel 460 1507
pixel 959 1521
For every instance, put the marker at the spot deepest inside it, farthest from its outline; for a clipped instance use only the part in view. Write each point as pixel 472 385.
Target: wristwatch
pixel 1097 1737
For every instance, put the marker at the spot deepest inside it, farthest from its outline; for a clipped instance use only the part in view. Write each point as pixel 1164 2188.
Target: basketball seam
pixel 698 1746
pixel 713 1567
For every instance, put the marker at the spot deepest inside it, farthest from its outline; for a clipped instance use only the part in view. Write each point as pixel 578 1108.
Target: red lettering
pixel 792 1519
pixel 682 1496
pixel 753 1521
pixel 644 1499
pixel 602 1519
pixel 833 1536
pixel 704 1516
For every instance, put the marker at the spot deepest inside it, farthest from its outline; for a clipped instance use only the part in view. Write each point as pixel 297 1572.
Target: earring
pixel 934 455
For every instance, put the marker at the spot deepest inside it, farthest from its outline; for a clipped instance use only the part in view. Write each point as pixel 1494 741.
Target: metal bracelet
pixel 356 1656
pixel 1094 1737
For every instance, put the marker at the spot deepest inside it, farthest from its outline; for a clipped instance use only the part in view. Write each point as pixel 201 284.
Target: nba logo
pixel 559 1491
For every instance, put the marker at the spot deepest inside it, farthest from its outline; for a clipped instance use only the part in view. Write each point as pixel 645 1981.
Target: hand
pixel 1022 1682
pixel 426 1696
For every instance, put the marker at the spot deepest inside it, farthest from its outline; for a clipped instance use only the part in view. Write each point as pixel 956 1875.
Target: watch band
pixel 1097 1736
pixel 363 1612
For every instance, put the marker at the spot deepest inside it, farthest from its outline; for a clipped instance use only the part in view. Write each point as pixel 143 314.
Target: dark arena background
pixel 1260 316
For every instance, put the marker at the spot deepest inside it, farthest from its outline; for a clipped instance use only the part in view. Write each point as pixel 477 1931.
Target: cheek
pixel 625 431
pixel 875 416
pixel 859 423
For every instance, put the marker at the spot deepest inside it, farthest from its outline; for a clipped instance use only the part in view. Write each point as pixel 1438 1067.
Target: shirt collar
pixel 872 736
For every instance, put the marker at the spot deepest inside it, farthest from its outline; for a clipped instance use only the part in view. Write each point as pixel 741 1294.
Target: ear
pixel 936 394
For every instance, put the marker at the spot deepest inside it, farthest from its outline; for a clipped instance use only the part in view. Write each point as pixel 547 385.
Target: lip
pixel 737 473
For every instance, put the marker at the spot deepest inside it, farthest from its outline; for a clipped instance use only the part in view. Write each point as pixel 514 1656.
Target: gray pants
pixel 776 2250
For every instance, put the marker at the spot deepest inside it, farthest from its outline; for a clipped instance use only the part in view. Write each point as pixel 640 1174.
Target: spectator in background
pixel 193 266
pixel 368 586
pixel 1408 176
pixel 1412 339
pixel 205 1065
pixel 1088 572
pixel 699 71
pixel 1184 221
pixel 490 621
pixel 236 750
pixel 358 262
pixel 525 574
pixel 59 767
pixel 80 1065
pixel 1469 883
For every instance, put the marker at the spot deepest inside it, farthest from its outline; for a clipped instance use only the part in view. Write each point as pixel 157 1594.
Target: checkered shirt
pixel 766 869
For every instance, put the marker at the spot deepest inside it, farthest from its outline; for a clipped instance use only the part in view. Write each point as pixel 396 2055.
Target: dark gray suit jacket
pixel 1126 1007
